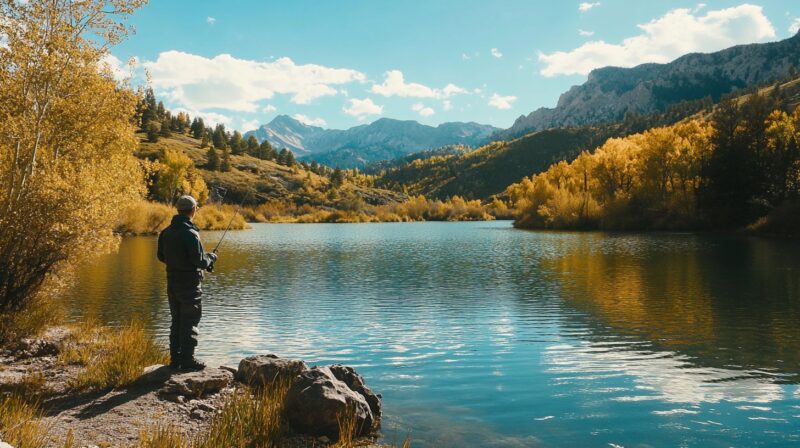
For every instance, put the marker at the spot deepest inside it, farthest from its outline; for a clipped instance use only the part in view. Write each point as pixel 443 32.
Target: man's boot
pixel 189 362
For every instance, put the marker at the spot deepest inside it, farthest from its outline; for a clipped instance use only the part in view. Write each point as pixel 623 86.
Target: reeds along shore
pixel 146 217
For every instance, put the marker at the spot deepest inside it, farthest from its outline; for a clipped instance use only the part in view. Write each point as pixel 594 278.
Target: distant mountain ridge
pixel 611 92
pixel 383 139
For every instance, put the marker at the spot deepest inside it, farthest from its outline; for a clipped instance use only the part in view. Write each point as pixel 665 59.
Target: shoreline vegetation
pixel 148 218
pixel 63 372
pixel 739 169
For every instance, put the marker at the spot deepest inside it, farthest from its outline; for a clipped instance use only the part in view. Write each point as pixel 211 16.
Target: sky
pixel 338 64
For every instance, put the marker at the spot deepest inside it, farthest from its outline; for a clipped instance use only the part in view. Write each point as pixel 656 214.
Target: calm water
pixel 481 335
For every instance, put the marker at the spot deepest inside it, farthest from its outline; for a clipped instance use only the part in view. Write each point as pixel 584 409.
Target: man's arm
pixel 197 255
pixel 160 252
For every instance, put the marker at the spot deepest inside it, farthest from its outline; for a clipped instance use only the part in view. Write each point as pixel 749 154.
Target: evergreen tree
pixel 252 145
pixel 337 177
pixel 148 108
pixel 212 158
pixel 206 141
pixel 219 137
pixel 166 128
pixel 153 129
pixel 236 143
pixel 198 128
pixel 265 151
pixel 225 165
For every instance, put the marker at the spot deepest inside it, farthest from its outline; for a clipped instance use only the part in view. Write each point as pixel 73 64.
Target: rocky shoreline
pixel 316 401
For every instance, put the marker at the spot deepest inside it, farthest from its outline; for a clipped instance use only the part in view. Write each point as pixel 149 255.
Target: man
pixel 179 247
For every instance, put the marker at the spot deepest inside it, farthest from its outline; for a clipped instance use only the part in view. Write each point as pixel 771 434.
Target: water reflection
pixel 481 335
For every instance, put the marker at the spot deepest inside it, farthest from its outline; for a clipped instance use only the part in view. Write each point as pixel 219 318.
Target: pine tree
pixel 219 137
pixel 206 141
pixel 337 177
pixel 153 130
pixel 225 166
pixel 252 145
pixel 236 143
pixel 212 158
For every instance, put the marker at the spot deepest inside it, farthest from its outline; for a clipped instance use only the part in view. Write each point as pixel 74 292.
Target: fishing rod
pixel 230 222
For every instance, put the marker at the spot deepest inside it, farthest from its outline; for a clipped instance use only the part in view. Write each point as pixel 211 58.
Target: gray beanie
pixel 185 203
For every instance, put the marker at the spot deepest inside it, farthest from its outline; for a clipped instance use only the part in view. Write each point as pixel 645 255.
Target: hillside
pixel 491 168
pixel 265 179
pixel 611 92
pixel 383 139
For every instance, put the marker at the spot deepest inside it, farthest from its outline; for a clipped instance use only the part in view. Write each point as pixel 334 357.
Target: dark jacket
pixel 179 247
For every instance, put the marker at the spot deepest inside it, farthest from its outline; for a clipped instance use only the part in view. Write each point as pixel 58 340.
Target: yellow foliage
pixel 646 179
pixel 66 139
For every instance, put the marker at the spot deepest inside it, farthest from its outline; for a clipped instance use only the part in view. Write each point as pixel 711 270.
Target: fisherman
pixel 179 247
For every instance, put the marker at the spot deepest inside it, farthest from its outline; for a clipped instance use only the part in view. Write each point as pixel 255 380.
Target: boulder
pixel 317 399
pixel 5 445
pixel 261 370
pixel 153 375
pixel 198 384
pixel 355 382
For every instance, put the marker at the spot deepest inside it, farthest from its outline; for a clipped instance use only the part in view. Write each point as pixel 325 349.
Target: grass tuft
pixel 162 437
pixel 20 424
pixel 113 358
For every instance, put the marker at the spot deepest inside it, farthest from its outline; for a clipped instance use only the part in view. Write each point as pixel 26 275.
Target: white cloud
pixel 794 27
pixel 465 56
pixel 423 110
pixel 210 119
pixel 210 20
pixel 447 105
pixel 361 109
pixel 309 121
pixel 225 82
pixel 394 84
pixel 585 6
pixel 676 33
pixel 502 102
pixel 496 53
pixel 269 108
pixel 699 7
pixel 586 33
pixel 249 125
pixel 113 64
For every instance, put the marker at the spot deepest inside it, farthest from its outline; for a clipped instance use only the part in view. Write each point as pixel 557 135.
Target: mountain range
pixel 611 92
pixel 358 146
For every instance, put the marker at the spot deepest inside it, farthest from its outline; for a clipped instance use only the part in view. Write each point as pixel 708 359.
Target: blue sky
pixel 344 63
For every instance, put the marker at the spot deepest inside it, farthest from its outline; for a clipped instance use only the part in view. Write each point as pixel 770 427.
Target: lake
pixel 478 334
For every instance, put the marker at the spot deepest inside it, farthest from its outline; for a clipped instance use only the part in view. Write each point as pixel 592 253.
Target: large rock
pixel 154 375
pixel 262 370
pixel 355 382
pixel 198 384
pixel 317 399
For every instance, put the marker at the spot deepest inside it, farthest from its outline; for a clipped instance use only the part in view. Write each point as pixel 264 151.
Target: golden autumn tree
pixel 66 138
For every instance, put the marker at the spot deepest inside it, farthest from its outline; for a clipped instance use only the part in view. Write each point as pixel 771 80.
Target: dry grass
pixel 248 419
pixel 348 428
pixel 20 423
pixel 112 358
pixel 148 218
pixel 30 321
pixel 162 437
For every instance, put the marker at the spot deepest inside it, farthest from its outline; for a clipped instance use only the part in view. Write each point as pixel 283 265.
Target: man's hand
pixel 213 258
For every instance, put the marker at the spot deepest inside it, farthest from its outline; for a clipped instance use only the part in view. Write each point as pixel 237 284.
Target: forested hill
pixel 490 169
pixel 611 92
